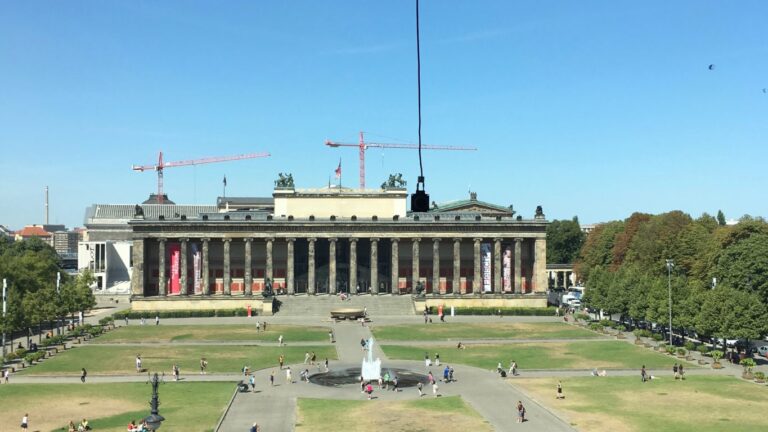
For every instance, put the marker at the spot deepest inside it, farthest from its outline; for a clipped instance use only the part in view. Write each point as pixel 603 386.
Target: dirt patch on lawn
pixel 394 417
pixel 47 414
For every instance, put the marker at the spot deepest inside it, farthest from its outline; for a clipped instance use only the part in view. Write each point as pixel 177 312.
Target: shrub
pixel 690 346
pixel 596 326
pixel 606 323
pixel 702 349
pixel 716 355
pixel 657 337
pixel 682 352
pixel 748 364
pixel 21 352
pixel 11 357
pixel 671 350
pixel 582 316
pixel 33 357
pixel 107 321
pixel 513 311
pixel 207 313
pixel 759 375
pixel 621 327
pixel 642 333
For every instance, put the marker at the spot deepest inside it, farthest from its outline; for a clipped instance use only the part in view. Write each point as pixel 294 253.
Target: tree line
pixel 30 268
pixel 719 277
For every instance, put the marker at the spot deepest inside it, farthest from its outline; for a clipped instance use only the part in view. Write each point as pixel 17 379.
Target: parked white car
pixel 763 350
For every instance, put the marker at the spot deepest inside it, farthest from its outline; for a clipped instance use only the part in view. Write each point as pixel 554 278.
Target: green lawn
pixel 212 333
pixel 543 355
pixel 701 403
pixel 444 414
pixel 467 331
pixel 121 360
pixel 186 406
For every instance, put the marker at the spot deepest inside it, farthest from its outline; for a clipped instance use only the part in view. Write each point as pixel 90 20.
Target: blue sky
pixel 595 109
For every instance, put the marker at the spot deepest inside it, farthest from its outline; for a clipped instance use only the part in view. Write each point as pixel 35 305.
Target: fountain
pixel 371 370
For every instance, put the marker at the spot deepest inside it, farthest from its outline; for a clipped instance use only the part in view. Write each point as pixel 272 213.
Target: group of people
pixel 82 427
pixel 141 427
pixel 511 372
pixel 428 362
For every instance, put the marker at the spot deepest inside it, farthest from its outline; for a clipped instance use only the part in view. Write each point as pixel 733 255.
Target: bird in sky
pixel 711 67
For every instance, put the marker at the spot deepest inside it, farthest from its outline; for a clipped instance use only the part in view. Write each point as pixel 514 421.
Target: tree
pixel 730 313
pixel 744 265
pixel 720 218
pixel 597 248
pixel 624 239
pixel 564 241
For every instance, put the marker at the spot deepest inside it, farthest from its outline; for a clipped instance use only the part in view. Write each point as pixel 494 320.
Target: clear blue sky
pixel 595 109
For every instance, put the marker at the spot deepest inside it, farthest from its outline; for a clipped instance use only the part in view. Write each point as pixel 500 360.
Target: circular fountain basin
pixel 341 377
pixel 347 313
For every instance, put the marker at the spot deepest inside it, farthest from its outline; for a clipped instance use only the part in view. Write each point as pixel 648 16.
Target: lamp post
pixel 670 264
pixel 5 308
pixel 154 419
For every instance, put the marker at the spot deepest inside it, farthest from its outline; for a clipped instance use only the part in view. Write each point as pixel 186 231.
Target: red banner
pixel 175 251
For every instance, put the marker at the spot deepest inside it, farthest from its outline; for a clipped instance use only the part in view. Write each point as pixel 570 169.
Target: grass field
pixel 700 403
pixel 445 414
pixel 549 355
pixel 109 407
pixel 212 333
pixel 106 360
pixel 467 331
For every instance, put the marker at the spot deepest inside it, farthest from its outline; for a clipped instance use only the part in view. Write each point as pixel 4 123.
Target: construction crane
pixel 161 166
pixel 363 146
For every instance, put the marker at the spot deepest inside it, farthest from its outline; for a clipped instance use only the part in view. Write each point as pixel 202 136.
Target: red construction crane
pixel 362 145
pixel 163 165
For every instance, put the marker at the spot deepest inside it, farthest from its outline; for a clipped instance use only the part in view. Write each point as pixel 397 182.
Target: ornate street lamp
pixel 154 419
pixel 670 265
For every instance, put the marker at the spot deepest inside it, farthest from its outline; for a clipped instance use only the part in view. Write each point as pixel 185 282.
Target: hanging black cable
pixel 419 199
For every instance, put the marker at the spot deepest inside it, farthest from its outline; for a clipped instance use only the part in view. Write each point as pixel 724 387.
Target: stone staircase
pixel 321 305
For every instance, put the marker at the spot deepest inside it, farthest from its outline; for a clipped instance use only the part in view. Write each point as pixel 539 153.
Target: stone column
pixel 352 264
pixel 540 284
pixel 183 268
pixel 477 279
pixel 161 282
pixel 518 266
pixel 497 288
pixel 268 270
pixel 227 268
pixel 311 266
pixel 395 266
pixel 415 264
pixel 137 277
pixel 436 267
pixel 457 265
pixel 206 269
pixel 248 277
pixel 374 266
pixel 332 266
pixel 289 267
pixel 565 279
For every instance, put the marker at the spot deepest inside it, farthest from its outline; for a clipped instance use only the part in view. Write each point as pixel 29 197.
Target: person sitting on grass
pixel 71 427
pixel 461 346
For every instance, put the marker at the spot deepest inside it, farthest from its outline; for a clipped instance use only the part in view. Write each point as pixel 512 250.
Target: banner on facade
pixel 196 259
pixel 485 264
pixel 174 250
pixel 507 269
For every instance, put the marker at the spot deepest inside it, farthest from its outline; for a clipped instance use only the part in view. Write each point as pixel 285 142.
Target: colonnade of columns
pixel 498 267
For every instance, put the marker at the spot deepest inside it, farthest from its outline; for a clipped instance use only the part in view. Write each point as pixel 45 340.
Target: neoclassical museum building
pixel 332 240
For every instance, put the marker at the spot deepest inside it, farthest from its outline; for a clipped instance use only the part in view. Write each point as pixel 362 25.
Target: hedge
pixel 518 311
pixel 182 313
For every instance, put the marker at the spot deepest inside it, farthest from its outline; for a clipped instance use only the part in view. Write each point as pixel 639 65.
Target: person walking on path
pixel 203 365
pixel 560 390
pixel 280 340
pixel 313 358
pixel 643 375
pixel 138 363
pixel 143 320
pixel 512 368
pixel 420 388
pixel 252 381
pixel 258 326
pixel 331 336
pixel 281 361
pixel 674 370
pixel 680 371
pixel 264 324
pixel 255 428
pixel 434 388
pixel 157 319
pixel 6 375
pixel 272 379
pixel 83 374
pixel 306 357
pixel 24 422
pixel 446 372
pixel 369 390
pixel 175 371
pixel 431 378
pixel 126 320
pixel 288 377
pixel 425 316
pixel 437 359
pixel 326 364
pixel 520 412
pixel 427 361
pixel 363 344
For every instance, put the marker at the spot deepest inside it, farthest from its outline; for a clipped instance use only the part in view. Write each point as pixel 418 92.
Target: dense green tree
pixel 655 241
pixel 720 218
pixel 623 239
pixel 744 265
pixel 597 248
pixel 564 241
pixel 731 313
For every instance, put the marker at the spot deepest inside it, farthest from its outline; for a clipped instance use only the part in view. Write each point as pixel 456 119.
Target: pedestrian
pixel 281 361
pixel 331 336
pixel 643 375
pixel 126 320
pixel 83 374
pixel 157 319
pixel 143 320
pixel 264 325
pixel 520 412
pixel 363 344
pixel 431 378
pixel 369 390
pixel 674 370
pixel 203 365
pixel 272 379
pixel 386 380
pixel 425 316
pixel 427 361
pixel 450 375
pixel 175 371
pixel 680 371
pixel 437 359
pixel 252 382
pixel 365 308
pixel 258 326
pixel 25 422
pixel 326 364
pixel 138 363
pixel 560 391
pixel 255 428
pixel 306 357
pixel 420 388
pixel 434 388
pixel 394 384
pixel 280 340
pixel 512 368
pixel 288 377
pixel 6 375
pixel 313 358
pixel 442 316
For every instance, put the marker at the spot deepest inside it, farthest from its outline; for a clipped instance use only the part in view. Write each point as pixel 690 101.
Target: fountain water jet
pixel 371 369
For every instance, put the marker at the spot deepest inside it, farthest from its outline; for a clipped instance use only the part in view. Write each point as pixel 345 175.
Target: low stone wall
pixel 179 303
pixel 485 302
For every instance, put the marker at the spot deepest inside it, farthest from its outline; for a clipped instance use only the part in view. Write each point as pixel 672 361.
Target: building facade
pixel 332 240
